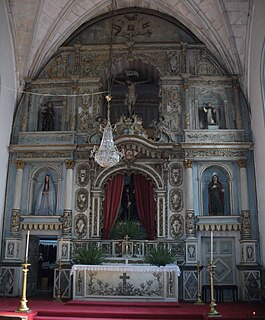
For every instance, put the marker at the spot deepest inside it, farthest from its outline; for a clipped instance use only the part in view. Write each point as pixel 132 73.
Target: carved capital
pixel 188 163
pixel 69 164
pixel 75 89
pixel 20 164
pixel 242 163
pixel 186 86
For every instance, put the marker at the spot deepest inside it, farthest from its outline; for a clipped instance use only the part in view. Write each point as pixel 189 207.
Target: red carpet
pixel 117 310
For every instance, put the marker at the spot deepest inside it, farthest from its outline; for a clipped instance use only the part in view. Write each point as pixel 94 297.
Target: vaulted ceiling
pixel 39 27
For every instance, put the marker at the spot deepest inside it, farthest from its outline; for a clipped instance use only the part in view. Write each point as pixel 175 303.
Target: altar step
pixel 118 310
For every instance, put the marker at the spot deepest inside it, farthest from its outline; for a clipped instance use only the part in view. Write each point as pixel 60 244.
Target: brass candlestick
pixel 213 312
pixel 23 302
pixel 198 300
pixel 59 294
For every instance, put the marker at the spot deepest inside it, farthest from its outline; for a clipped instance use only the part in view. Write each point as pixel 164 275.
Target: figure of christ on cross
pixel 124 277
pixel 131 96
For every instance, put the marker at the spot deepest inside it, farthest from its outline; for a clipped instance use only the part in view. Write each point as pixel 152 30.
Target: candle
pixel 27 248
pixel 211 247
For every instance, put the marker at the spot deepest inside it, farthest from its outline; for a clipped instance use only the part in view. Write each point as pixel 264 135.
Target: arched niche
pixel 210 101
pixel 36 185
pixel 98 191
pixel 224 179
pixel 51 113
pixel 137 80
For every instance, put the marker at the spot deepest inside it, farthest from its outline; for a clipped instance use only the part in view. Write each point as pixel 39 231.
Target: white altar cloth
pixel 125 281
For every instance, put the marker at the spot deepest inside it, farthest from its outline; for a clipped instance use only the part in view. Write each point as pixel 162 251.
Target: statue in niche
pixel 212 114
pixel 131 96
pixel 46 198
pixel 48 117
pixel 215 196
pixel 128 203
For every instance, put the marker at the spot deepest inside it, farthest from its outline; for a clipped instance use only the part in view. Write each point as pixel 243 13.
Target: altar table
pixel 141 282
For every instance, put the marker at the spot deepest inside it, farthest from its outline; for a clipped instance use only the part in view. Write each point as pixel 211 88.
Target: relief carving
pixel 81 225
pixel 82 175
pixel 176 175
pixel 81 199
pixel 176 226
pixel 176 200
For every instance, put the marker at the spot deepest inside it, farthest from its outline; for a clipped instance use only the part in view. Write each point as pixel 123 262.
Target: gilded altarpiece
pixel 186 124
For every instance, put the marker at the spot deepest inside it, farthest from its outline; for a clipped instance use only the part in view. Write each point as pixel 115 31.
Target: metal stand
pixel 198 300
pixel 23 302
pixel 59 294
pixel 213 312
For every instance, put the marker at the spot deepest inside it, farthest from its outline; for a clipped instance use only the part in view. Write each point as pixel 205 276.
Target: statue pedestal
pixel 119 281
pixel 212 127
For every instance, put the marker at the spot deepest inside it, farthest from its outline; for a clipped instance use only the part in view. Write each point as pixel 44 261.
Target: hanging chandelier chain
pixel 107 155
pixel 110 77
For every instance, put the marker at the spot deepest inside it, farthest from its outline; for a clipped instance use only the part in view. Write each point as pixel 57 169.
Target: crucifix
pixel 124 277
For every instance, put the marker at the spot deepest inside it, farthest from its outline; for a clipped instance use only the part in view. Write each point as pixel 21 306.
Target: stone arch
pixel 97 193
pixel 36 179
pixel 146 170
pixel 225 177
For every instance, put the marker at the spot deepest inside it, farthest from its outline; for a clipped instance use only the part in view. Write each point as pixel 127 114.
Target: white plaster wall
pixel 7 103
pixel 257 38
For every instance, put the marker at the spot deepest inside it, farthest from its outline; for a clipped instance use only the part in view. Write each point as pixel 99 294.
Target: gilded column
pixel 15 216
pixel 190 219
pixel 67 213
pixel 245 212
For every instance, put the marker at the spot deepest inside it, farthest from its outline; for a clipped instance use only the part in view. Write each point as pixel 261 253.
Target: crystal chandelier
pixel 107 155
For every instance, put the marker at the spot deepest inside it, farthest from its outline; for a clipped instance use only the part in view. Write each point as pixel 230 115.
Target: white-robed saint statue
pixel 45 204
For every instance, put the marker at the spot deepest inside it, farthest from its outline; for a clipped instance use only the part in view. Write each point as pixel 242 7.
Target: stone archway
pixel 98 196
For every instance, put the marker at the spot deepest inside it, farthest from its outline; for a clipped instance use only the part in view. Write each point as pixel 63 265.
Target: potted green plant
pixel 128 227
pixel 92 254
pixel 159 256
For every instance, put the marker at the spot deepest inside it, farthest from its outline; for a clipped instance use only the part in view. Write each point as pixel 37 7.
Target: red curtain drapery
pixel 145 203
pixel 111 204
